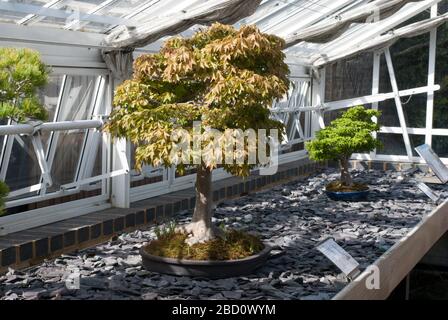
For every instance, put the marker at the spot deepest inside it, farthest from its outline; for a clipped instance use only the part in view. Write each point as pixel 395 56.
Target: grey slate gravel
pixel 293 217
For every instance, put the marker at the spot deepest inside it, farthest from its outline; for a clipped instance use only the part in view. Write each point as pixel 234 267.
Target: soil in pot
pixel 337 186
pixel 233 245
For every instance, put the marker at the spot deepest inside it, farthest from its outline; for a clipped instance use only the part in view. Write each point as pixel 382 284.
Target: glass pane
pixel 65 163
pixel 50 94
pixel 393 144
pixel 77 101
pixel 76 104
pixel 9 16
pixel 414 108
pixel 23 168
pixel 70 7
pixel 410 60
pixel 441 78
pixel 148 175
pixel 443 7
pixel 349 78
pixel 329 116
pixel 49 97
pixel 123 7
pixel 98 164
pixel 440 145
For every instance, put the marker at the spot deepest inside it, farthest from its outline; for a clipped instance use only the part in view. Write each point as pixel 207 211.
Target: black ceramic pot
pixel 211 269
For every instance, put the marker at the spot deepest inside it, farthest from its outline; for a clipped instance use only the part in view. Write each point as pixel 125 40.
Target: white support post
pixel 375 88
pixel 393 82
pixel 431 79
pixel 121 153
pixel 320 113
pixel 318 90
pixel 375 77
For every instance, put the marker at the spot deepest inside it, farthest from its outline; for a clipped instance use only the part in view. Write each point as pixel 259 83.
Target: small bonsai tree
pixel 22 74
pixel 350 133
pixel 223 77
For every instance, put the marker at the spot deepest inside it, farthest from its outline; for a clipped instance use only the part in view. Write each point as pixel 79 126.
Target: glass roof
pixel 303 23
pixel 99 16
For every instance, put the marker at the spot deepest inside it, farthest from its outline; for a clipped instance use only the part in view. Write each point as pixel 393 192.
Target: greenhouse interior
pixel 224 150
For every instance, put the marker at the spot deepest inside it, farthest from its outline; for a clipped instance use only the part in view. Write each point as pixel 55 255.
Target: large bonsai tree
pixel 350 133
pixel 223 77
pixel 22 74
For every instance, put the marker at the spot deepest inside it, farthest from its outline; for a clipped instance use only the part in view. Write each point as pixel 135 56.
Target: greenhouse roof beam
pixel 388 39
pixel 360 32
pixel 132 14
pixel 31 16
pixel 292 19
pixel 56 13
pixel 73 24
pixel 332 26
pixel 355 37
pixel 38 34
pixel 366 32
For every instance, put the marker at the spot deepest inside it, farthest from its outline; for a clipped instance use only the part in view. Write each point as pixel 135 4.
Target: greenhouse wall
pixel 89 172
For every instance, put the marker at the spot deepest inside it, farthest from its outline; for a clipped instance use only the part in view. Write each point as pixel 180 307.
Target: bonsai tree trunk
pixel 201 228
pixel 346 178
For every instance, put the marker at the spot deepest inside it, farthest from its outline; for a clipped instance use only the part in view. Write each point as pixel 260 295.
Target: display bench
pixel 394 265
pixel 389 233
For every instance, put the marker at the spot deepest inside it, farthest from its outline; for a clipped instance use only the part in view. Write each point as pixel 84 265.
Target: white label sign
pixel 433 161
pixel 427 190
pixel 341 258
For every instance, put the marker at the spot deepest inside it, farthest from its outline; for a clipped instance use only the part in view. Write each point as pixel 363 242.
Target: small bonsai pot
pixel 211 269
pixel 347 195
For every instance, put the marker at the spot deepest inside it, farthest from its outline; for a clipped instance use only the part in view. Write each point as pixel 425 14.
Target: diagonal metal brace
pixel 36 140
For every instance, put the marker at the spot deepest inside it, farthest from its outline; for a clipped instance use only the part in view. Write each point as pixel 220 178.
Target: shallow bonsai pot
pixel 347 196
pixel 211 269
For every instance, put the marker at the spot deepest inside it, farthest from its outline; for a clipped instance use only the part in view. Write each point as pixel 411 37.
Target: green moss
pixel 234 245
pixel 338 186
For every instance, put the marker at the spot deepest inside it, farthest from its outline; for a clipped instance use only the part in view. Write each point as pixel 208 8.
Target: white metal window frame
pixel 45 215
pixel 45 157
pixel 320 106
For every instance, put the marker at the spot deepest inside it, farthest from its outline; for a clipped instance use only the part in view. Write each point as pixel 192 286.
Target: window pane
pixel 441 78
pixel 414 109
pixel 349 78
pixel 76 104
pixel 393 144
pixel 23 169
pixel 440 145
